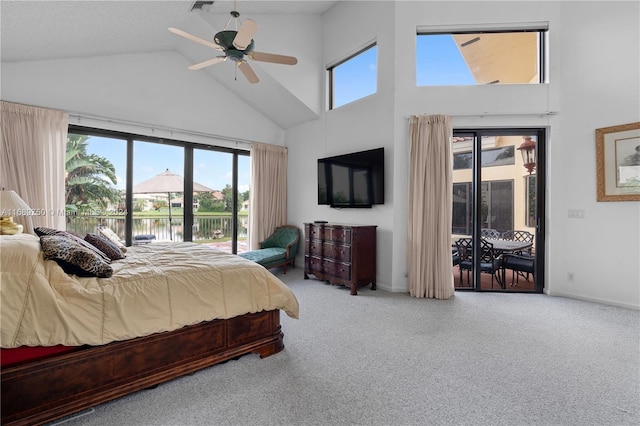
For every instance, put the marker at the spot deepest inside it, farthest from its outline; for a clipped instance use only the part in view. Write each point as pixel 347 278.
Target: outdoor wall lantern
pixel 528 150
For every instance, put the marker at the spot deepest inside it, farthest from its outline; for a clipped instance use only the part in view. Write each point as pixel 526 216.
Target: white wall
pixel 153 89
pixel 362 125
pixel 594 68
pixel 600 87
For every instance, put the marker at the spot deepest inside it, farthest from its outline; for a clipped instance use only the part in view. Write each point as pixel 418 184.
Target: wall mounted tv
pixel 352 180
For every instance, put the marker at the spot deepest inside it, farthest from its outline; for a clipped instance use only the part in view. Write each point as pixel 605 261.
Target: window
pixel 487 57
pixel 496 206
pixel 503 156
pixel 158 188
pixel 530 201
pixel 217 213
pixel 99 161
pixel 95 181
pixel 354 78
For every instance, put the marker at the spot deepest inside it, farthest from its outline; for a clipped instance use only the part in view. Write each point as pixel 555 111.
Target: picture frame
pixel 618 162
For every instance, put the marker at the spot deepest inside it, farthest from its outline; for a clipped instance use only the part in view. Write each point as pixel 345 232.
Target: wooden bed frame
pixel 44 390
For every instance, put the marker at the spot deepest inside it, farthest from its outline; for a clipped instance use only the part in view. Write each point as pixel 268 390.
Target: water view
pixel 207 228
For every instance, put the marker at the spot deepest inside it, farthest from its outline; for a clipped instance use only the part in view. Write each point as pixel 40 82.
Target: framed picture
pixel 618 162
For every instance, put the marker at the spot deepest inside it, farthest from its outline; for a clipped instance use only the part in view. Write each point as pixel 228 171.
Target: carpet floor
pixel 383 358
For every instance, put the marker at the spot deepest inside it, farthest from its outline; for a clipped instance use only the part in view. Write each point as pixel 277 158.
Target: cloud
pixel 120 182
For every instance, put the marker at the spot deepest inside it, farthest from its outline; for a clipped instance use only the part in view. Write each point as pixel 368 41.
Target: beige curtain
pixel 268 196
pixel 430 197
pixel 32 161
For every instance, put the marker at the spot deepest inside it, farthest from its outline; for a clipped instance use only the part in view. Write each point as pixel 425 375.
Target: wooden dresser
pixel 341 254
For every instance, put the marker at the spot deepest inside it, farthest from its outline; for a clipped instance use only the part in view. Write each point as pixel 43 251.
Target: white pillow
pixel 111 236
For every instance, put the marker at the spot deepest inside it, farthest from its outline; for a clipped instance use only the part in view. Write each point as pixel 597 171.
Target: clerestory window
pixel 481 57
pixel 353 78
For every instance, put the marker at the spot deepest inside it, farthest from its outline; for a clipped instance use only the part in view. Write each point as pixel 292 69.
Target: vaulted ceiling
pixel 44 30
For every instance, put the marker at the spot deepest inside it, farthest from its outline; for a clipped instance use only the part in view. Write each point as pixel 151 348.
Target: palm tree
pixel 89 178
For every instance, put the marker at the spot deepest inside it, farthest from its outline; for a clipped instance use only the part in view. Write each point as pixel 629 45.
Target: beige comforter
pixel 158 287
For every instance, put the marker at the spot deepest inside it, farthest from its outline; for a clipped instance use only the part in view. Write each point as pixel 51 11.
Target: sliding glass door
pixel 95 183
pixel 497 223
pixel 221 199
pixel 149 190
pixel 158 192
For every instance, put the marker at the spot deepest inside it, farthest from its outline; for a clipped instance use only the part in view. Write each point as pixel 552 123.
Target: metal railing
pixel 205 228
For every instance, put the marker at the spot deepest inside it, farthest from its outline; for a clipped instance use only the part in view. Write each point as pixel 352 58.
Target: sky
pixel 438 63
pixel 212 169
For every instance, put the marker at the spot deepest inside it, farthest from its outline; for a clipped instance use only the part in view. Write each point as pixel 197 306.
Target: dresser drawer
pixel 313 264
pixel 317 232
pixel 314 247
pixel 341 235
pixel 341 270
pixel 337 252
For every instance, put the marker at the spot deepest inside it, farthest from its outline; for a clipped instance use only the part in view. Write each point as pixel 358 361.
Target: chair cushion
pixel 146 238
pixel 266 255
pixel 519 263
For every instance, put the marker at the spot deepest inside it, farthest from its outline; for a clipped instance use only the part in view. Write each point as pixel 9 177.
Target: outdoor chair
pixel 279 249
pixel 515 235
pixel 520 264
pixel 489 263
pixel 455 257
pixel 143 239
pixel 490 233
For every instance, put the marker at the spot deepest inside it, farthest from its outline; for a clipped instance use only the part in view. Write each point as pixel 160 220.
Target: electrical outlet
pixel 571 277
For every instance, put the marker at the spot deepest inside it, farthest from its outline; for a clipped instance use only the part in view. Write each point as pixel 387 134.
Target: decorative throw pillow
pixel 111 236
pixel 43 230
pixel 105 246
pixel 73 257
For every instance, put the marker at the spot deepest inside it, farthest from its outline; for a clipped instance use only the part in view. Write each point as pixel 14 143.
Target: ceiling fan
pixel 236 44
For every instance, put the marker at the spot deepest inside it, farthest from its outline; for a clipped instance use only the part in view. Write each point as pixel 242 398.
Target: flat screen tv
pixel 352 180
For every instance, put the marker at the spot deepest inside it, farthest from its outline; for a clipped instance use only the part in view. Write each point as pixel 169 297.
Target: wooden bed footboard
pixel 44 390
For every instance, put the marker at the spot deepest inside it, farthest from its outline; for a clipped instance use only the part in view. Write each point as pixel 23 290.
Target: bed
pixel 166 310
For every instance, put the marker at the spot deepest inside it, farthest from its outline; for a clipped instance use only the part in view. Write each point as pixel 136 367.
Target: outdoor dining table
pixel 508 246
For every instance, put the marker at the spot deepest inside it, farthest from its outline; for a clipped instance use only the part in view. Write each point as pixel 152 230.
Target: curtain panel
pixel 268 195
pixel 430 270
pixel 32 161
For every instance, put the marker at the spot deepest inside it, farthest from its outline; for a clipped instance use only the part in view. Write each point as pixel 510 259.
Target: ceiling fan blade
pixel 194 38
pixel 270 57
pixel 245 34
pixel 210 62
pixel 248 72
